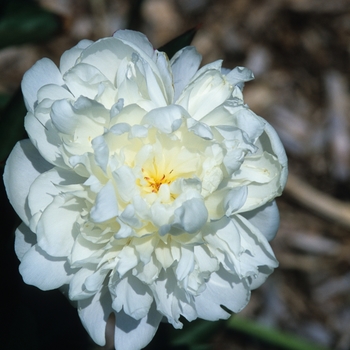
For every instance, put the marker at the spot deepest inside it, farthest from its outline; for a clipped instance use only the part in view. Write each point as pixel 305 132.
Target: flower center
pixel 154 181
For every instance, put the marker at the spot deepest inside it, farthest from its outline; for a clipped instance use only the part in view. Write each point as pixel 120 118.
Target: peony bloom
pixel 146 188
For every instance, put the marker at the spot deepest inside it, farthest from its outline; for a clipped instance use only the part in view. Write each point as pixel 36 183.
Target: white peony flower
pixel 147 186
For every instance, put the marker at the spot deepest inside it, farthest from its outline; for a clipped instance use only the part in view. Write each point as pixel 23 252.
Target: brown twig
pixel 318 202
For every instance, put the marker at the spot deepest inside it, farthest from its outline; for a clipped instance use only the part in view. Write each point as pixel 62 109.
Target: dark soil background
pixel 299 52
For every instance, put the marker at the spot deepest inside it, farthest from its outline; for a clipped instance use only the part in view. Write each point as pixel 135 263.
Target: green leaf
pixel 196 335
pixel 179 42
pixel 4 99
pixel 24 22
pixel 270 336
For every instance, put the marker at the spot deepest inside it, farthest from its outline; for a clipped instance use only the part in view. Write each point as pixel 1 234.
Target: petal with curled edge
pixel 70 57
pixel 262 175
pixel 191 216
pixel 23 166
pixel 271 143
pixel 164 68
pixel 45 187
pixel 94 313
pixel 24 240
pixel 136 40
pixel 77 291
pixel 166 119
pixel 184 65
pixel 204 94
pixel 42 73
pixel 266 218
pixel 85 79
pixel 131 334
pixel 44 137
pixel 106 204
pixel 56 236
pixel 223 288
pixel 239 75
pixel 44 271
pixel 132 296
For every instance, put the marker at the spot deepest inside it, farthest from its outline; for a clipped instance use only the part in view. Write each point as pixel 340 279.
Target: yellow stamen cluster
pixel 155 181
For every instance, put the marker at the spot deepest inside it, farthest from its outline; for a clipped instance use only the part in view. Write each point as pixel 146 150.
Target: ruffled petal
pixel 70 57
pixel 223 288
pixel 42 73
pixel 45 138
pixel 23 166
pixel 266 218
pixel 94 313
pixel 24 240
pixel 44 271
pixel 133 296
pixel 271 142
pixel 47 185
pixel 204 94
pixel 184 65
pixel 239 75
pixel 56 236
pixel 131 334
pixel 136 40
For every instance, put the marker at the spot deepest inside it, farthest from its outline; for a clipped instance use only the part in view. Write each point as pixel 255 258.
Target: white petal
pixel 262 175
pixel 45 188
pixel 93 283
pixel 200 129
pixel 101 152
pixel 191 216
pixel 53 92
pixel 42 73
pixel 166 119
pixel 235 199
pixel 23 166
pixel 266 218
pixel 255 244
pixel 131 334
pixel 84 251
pixel 128 260
pixel 205 93
pixel 223 288
pixel 44 271
pixel 125 183
pixel 163 254
pixel 56 236
pixel 67 118
pixel 273 144
pixel 155 87
pixel 131 115
pixel 69 57
pixel 25 239
pixel 133 296
pixel 184 64
pixel 163 65
pixel 164 289
pixel 136 40
pixel 76 285
pixel 94 313
pixel 44 136
pixel 186 263
pixel 106 204
pixel 239 75
pixel 204 259
pixel 85 80
pixel 243 118
pixel 215 203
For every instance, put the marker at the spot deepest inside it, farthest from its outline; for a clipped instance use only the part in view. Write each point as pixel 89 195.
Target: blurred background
pixel 299 52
